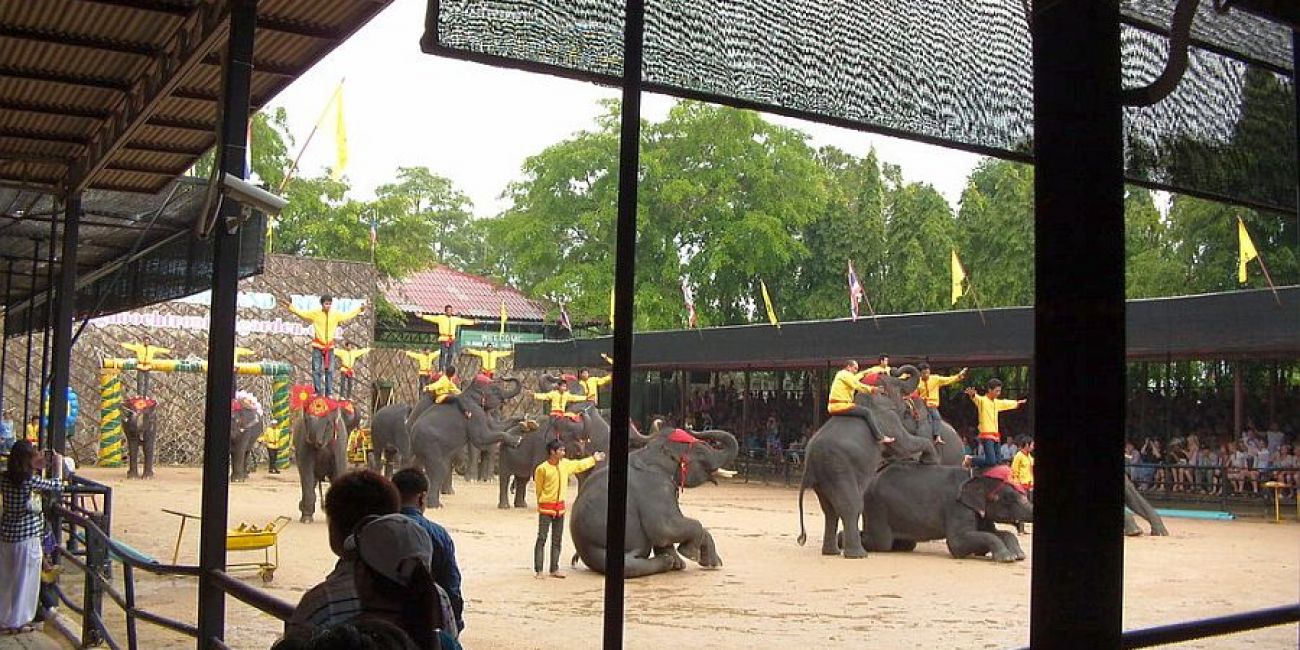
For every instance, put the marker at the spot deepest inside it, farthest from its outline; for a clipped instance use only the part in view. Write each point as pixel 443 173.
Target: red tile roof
pixel 469 295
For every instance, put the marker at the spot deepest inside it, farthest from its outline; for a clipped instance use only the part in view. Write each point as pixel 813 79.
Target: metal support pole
pixel 43 432
pixel 4 342
pixel 1238 396
pixel 629 161
pixel 236 76
pixel 67 302
pixel 27 372
pixel 1077 597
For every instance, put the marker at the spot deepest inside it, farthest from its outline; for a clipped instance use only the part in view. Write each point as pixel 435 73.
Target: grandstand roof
pixel 469 295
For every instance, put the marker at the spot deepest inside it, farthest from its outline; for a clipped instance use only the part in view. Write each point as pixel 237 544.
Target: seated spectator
pixel 1286 468
pixel 358 634
pixel 351 498
pixel 394 579
pixel 1131 458
pixel 413 486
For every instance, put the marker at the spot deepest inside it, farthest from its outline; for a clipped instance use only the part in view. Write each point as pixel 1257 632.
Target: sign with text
pixel 468 338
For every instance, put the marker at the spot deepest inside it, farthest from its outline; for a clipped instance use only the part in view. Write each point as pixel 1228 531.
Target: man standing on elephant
pixel 843 389
pixel 928 387
pixel 988 406
pixel 560 399
pixel 551 479
pixel 145 355
pixel 448 324
pixel 348 356
pixel 488 358
pixel 591 385
pixel 424 365
pixel 325 324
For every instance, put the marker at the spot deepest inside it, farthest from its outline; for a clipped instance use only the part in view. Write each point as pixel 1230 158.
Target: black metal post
pixel 43 399
pixel 4 343
pixel 236 77
pixel 67 303
pixel 629 160
pixel 31 300
pixel 1077 580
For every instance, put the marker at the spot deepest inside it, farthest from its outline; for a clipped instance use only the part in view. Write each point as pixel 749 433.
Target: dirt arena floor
pixel 769 593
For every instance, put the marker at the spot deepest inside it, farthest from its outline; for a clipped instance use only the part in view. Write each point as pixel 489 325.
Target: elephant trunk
pixel 507 393
pixel 724 446
pixel 913 378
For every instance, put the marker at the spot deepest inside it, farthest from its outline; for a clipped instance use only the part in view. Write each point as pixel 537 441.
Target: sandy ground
pixel 769 589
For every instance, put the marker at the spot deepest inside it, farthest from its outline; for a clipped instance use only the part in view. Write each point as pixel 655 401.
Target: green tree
pixel 424 215
pixel 995 233
pixel 915 275
pixel 271 142
pixel 1149 269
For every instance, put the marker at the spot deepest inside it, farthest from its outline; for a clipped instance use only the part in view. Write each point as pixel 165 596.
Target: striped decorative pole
pixel 280 414
pixel 110 419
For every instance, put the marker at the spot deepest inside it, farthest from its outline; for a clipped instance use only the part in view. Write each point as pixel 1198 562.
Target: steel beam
pixel 237 82
pixel 200 34
pixel 62 78
pixel 43 136
pixel 1079 371
pixel 75 40
pixel 51 109
pixel 155 6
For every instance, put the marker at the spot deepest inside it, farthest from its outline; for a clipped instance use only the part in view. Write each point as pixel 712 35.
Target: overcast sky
pixel 475 124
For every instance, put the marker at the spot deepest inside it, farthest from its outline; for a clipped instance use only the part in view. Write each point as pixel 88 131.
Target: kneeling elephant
pixel 658 534
pixel 909 502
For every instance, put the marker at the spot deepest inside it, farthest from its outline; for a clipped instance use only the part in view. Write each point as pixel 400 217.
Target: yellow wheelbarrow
pixel 245 537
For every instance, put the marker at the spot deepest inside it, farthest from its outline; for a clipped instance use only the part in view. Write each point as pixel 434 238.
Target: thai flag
pixel 564 319
pixel 692 319
pixel 855 291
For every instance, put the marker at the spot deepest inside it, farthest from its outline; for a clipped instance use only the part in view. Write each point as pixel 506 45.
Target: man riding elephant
pixel 844 387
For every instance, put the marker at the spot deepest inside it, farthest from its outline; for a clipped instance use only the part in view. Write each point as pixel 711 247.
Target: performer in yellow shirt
pixel 424 360
pixel 928 387
pixel 882 366
pixel 325 324
pixel 445 390
pixel 145 355
pixel 488 358
pixel 560 399
pixel 551 481
pixel 988 406
pixel 591 385
pixel 348 356
pixel 843 389
pixel 448 324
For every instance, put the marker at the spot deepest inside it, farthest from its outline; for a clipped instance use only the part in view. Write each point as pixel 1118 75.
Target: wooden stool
pixel 1277 487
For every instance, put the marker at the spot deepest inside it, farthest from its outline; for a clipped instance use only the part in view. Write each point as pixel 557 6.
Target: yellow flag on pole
pixel 767 302
pixel 340 134
pixel 1246 250
pixel 958 277
pixel 503 316
pixel 611 307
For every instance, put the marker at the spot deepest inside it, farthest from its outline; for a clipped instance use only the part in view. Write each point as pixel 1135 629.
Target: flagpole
pixel 874 318
pixel 1260 258
pixel 974 294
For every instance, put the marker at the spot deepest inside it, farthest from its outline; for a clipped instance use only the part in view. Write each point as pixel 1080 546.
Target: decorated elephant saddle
pixel 141 403
pixel 321 406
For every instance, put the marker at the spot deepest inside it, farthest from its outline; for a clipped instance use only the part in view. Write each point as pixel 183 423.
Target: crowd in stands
pixel 1203 462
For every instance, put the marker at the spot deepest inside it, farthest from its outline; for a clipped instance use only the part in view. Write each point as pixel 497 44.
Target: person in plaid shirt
pixel 21 526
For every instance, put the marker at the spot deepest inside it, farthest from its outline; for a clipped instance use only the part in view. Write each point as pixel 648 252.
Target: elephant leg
pixel 133 454
pixel 150 447
pixel 503 491
pixel 1012 543
pixel 977 542
pixel 486 464
pixel 658 551
pixel 847 501
pixel 830 533
pixel 521 491
pixel 1139 504
pixel 1131 528
pixel 633 567
pixel 439 472
pixel 877 534
pixel 307 481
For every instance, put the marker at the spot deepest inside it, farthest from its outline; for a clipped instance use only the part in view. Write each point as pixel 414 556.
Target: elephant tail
pixel 803 485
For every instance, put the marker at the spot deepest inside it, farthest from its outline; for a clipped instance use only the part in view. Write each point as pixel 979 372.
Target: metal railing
pixel 92 552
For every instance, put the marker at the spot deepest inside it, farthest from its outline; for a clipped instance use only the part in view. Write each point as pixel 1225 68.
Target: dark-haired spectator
pixel 394 581
pixel 359 634
pixel 413 487
pixel 22 524
pixel 351 498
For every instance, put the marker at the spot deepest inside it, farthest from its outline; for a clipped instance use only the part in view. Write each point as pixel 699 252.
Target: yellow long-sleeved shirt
pixel 874 370
pixel 447 325
pixel 324 324
pixel 559 400
pixel 1022 468
pixel 349 357
pixel 489 358
pixel 240 353
pixel 988 410
pixel 442 388
pixel 552 482
pixel 843 388
pixel 145 354
pixel 929 388
pixel 591 386
pixel 425 361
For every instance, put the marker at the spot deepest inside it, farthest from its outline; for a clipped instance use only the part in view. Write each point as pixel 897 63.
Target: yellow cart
pixel 243 538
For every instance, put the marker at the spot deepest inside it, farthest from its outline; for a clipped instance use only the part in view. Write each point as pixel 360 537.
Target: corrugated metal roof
pixel 469 295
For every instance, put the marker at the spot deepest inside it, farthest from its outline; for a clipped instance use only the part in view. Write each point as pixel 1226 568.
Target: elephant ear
pixel 974 494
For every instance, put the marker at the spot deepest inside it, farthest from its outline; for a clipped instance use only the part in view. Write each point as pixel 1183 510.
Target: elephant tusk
pixel 724 473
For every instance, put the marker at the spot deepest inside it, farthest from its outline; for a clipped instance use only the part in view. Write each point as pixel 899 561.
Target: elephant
pixel 842 457
pixel 320 435
pixel 1139 504
pixel 917 423
pixel 658 534
pixel 246 426
pixel 909 502
pixel 140 425
pixel 442 431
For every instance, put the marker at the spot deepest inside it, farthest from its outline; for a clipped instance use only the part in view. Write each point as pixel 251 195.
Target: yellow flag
pixel 503 316
pixel 958 277
pixel 1246 250
pixel 611 307
pixel 767 302
pixel 340 134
